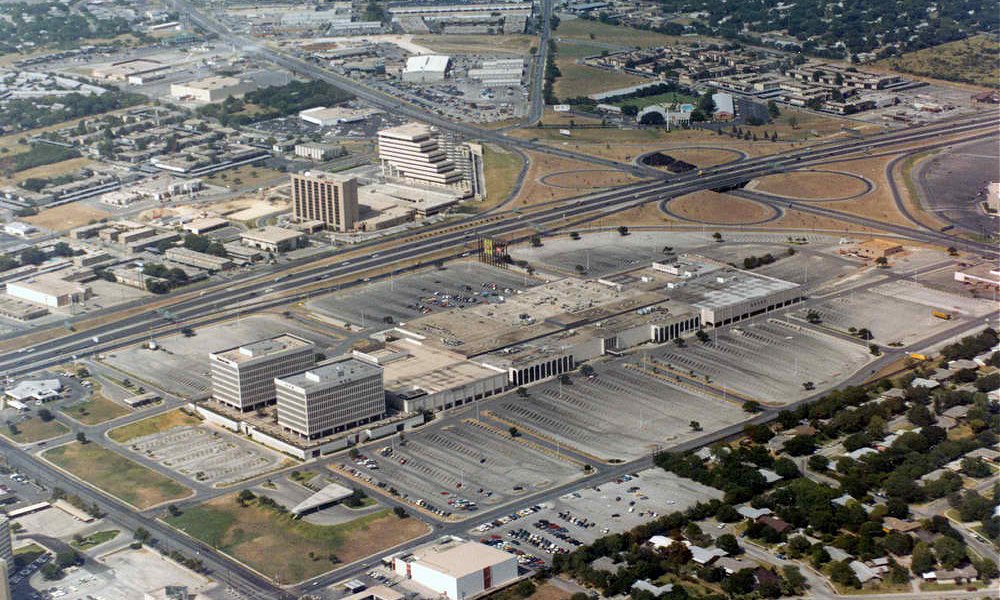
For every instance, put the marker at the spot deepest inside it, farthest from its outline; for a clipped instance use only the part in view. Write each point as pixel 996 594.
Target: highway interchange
pixel 214 303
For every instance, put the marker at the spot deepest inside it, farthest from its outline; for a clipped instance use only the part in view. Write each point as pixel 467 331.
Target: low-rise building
pixel 457 568
pixel 274 239
pixel 211 89
pixel 49 289
pixel 201 260
pixel 319 152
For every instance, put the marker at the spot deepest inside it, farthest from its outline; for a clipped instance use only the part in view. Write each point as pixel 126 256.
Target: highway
pixel 269 291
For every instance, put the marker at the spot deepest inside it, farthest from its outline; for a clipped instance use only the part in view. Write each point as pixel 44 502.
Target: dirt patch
pixel 811 185
pixel 67 216
pixel 719 209
pixel 157 424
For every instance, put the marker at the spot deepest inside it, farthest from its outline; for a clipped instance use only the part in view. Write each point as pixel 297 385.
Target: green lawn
pixel 668 98
pixel 96 539
pixel 116 475
pixel 27 554
pixel 33 430
pixel 288 549
pixel 97 409
pixel 161 422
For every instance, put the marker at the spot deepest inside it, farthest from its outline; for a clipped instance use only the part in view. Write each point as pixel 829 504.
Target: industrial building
pixel 49 289
pixel 273 239
pixel 212 89
pixel 243 377
pixel 413 153
pixel 201 260
pixel 499 73
pixel 426 68
pixel 326 197
pixel 319 152
pixel 457 568
pixel 330 397
pixel 326 117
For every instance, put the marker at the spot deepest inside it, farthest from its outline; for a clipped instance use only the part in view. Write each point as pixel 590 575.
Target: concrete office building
pixel 331 397
pixel 6 544
pixel 326 197
pixel 457 568
pixel 243 377
pixel 413 153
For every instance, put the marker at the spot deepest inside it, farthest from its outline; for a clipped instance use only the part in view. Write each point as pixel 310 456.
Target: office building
pixel 326 197
pixel 6 543
pixel 5 568
pixel 457 568
pixel 413 153
pixel 243 377
pixel 331 397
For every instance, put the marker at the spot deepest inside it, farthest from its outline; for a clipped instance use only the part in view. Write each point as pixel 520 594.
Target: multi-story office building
pixel 326 197
pixel 330 397
pixel 243 377
pixel 413 153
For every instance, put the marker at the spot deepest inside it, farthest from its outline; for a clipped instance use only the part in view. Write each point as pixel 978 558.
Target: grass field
pixel 583 29
pixel 668 98
pixel 34 430
pixel 246 176
pixel 67 216
pixel 287 549
pixel 95 539
pixel 161 422
pixel 464 44
pixel 97 409
pixel 808 185
pixel 116 475
pixel 502 168
pixel 27 554
pixel 50 171
pixel 581 80
pixel 974 60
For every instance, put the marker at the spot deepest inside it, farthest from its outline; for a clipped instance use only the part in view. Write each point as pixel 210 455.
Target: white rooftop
pixel 427 63
pixel 328 495
pixel 41 388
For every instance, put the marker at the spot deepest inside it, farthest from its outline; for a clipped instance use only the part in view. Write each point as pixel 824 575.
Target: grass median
pixel 116 475
pixel 97 409
pixel 269 540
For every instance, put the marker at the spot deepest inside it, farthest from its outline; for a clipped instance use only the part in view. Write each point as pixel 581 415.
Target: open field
pixel 811 185
pixel 116 475
pixel 535 189
pixel 96 409
pixel 245 176
pixel 279 546
pixel 668 98
pixel 477 44
pixel 585 180
pixel 715 208
pixel 972 60
pixel 160 423
pixel 502 168
pixel 67 216
pixel 48 171
pixel 34 430
pixel 596 31
pixel 96 539
pixel 581 80
pixel 798 125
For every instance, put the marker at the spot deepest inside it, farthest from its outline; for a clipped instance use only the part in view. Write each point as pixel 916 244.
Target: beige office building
pixel 326 197
pixel 413 152
pixel 243 377
pixel 330 397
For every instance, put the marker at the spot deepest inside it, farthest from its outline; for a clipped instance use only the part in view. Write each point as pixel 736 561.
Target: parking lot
pixel 181 366
pixel 402 298
pixel 207 455
pixel 620 413
pixel 539 532
pixel 900 311
pixel 462 465
pixel 765 359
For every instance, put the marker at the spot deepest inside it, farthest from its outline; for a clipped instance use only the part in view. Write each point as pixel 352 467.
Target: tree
pixel 45 414
pixel 793 577
pixel 793 122
pixel 400 512
pixel 245 497
pixel 717 236
pixel 920 415
pixel 741 582
pixel 513 432
pixel 814 317
pixel 695 426
pixel 949 551
pixel 818 462
pixel 922 559
pixel 706 104
pixel 727 542
pixel 81 437
pixel 536 241
pixel 702 336
pixel 971 466
pixel 841 572
pixel 622 230
pixel 882 261
pixel 800 445
pixel 751 406
pixel 772 109
pixel 141 535
pixel 524 588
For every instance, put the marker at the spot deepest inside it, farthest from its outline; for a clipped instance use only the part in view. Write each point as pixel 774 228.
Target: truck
pixel 940 314
pixel 917 356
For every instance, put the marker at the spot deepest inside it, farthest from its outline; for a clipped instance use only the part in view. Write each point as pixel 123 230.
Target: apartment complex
pixel 243 377
pixel 413 153
pixel 330 397
pixel 326 197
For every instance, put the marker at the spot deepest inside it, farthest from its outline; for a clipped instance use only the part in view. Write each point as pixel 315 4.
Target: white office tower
pixel 243 377
pixel 413 153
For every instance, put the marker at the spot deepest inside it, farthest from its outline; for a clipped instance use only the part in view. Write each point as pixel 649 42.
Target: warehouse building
pixel 201 260
pixel 273 239
pixel 319 152
pixel 243 377
pixel 326 197
pixel 49 289
pixel 329 398
pixel 211 89
pixel 326 117
pixel 457 568
pixel 426 68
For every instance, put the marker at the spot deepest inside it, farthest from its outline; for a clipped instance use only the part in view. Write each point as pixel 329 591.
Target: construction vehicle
pixel 941 315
